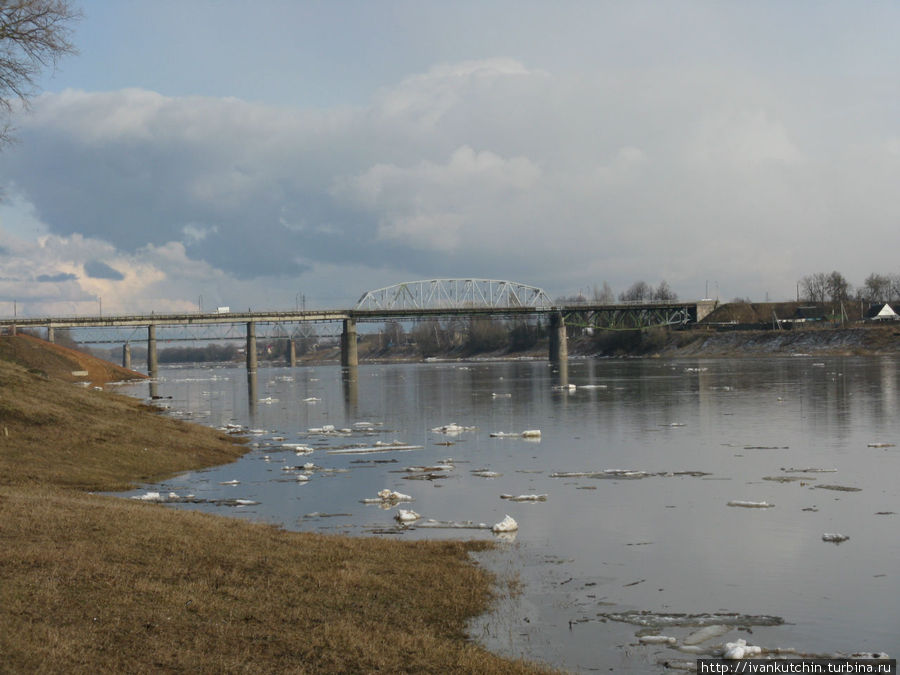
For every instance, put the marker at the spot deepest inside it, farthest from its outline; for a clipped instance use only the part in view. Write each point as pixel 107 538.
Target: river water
pixel 638 463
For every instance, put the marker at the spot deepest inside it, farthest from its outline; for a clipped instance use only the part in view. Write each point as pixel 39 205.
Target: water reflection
pixel 350 388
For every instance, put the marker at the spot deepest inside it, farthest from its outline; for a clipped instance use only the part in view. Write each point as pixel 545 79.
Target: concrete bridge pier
pixel 559 349
pixel 126 356
pixel 50 335
pixel 152 358
pixel 349 358
pixel 251 347
pixel 292 353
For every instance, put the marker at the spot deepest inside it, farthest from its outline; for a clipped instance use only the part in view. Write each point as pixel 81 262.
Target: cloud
pixel 95 269
pixel 56 278
pixel 480 168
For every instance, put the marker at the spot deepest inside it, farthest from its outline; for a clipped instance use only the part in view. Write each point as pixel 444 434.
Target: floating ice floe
pixel 406 516
pixel 485 473
pixel 443 465
pixel 565 387
pixel 839 488
pixel 808 470
pixel 311 399
pixel 524 498
pixel 326 429
pixel 528 433
pixel 695 370
pixel 740 650
pixel 299 448
pixel 508 524
pixel 834 537
pixel 230 482
pixel 750 505
pixel 593 386
pixel 454 524
pixel 649 619
pixel 624 474
pixel 706 633
pixel 452 428
pixel 388 497
pixel 657 640
pixel 268 400
pixel 302 478
pixel 496 395
pixel 149 497
pixel 880 444
pixel 396 446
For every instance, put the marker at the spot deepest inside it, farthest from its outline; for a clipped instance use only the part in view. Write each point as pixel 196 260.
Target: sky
pixel 197 154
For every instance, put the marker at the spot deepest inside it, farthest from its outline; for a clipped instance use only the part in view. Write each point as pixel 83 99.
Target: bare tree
pixel 639 291
pixel 814 287
pixel 664 293
pixel 604 295
pixel 34 35
pixel 876 288
pixel 837 288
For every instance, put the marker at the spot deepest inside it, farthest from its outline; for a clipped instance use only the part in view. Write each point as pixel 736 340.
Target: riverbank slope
pixel 91 583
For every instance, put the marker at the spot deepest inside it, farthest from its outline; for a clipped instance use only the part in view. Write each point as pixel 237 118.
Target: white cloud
pixel 488 168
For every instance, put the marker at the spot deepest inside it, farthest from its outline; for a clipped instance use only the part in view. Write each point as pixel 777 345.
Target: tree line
pixel 639 291
pixel 834 287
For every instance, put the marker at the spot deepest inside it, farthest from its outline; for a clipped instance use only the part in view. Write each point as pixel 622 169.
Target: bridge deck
pixel 154 319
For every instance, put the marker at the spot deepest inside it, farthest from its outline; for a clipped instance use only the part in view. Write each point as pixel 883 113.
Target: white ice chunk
pixel 506 525
pixel 452 428
pixel 657 640
pixel 230 482
pixel 740 650
pixel 406 516
pixel 525 498
pixel 393 497
pixel 149 497
pixel 834 537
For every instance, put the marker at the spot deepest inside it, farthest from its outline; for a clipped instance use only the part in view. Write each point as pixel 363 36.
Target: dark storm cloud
pixel 95 269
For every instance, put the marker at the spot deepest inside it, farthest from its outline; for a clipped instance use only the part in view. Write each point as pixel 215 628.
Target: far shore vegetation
pixel 91 583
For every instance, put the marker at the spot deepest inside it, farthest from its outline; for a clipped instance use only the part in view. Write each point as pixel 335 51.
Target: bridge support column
pixel 126 356
pixel 559 349
pixel 50 336
pixel 152 360
pixel 292 353
pixel 251 347
pixel 349 357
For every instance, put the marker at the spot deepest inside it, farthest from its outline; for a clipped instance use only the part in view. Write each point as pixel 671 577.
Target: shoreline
pixel 103 583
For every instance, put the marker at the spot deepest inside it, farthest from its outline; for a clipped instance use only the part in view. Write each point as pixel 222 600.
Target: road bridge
pixel 413 300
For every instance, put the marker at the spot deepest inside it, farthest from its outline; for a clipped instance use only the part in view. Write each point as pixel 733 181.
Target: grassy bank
pixel 91 583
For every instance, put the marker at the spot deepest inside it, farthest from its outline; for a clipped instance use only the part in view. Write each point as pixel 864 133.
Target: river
pixel 664 491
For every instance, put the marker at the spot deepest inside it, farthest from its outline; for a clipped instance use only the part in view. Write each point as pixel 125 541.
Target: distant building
pixel 882 313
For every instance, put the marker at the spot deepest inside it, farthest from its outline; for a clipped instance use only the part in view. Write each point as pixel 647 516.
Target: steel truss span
pixel 454 294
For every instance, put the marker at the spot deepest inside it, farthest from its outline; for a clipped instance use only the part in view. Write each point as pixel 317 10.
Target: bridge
pixel 412 300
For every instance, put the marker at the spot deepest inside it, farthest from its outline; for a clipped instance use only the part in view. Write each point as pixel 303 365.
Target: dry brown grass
pixel 99 584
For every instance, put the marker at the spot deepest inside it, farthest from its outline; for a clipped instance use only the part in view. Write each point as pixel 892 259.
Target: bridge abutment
pixel 152 358
pixel 349 358
pixel 559 348
pixel 251 347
